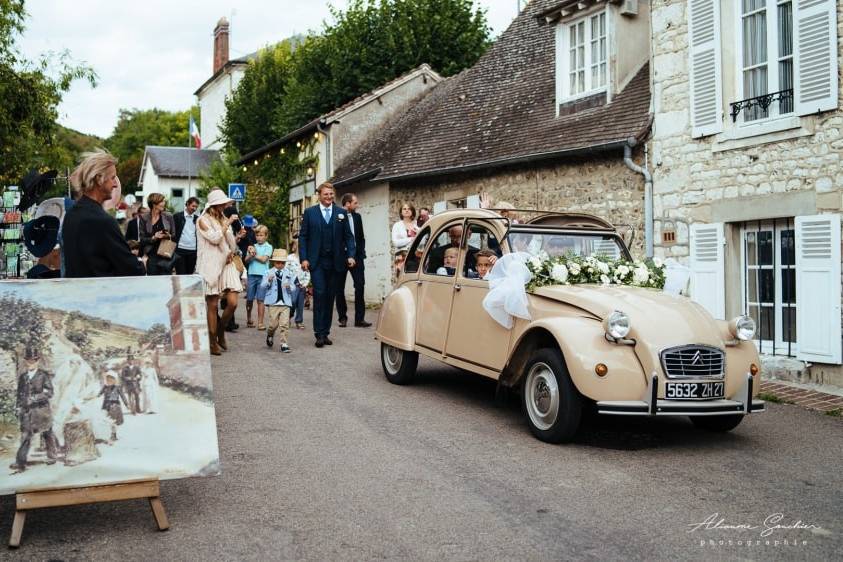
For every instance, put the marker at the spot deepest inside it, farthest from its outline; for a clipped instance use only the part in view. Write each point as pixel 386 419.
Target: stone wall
pixel 732 176
pixel 600 186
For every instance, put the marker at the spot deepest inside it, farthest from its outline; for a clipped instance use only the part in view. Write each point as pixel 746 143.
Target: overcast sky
pixel 156 53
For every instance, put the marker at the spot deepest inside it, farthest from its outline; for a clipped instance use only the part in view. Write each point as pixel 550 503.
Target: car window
pixel 563 244
pixel 482 249
pixel 413 258
pixel 443 251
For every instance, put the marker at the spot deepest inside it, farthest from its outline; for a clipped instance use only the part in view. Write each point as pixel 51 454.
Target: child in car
pixel 449 260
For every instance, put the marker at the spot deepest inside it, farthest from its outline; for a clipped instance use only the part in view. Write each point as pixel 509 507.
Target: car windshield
pixel 565 243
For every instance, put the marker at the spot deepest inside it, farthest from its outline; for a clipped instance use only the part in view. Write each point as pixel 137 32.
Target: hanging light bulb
pixel 298 144
pixel 316 135
pixel 309 171
pixel 281 151
pixel 256 161
pixel 244 168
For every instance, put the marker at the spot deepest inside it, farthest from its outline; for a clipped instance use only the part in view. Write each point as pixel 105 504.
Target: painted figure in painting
pixel 130 378
pixel 149 388
pixel 35 389
pixel 111 397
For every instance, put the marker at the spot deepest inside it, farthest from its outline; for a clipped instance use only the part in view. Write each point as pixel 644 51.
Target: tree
pixel 136 129
pixel 246 126
pixel 374 41
pixel 157 334
pixel 30 93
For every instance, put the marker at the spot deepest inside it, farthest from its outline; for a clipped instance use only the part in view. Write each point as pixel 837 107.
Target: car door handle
pixel 457 287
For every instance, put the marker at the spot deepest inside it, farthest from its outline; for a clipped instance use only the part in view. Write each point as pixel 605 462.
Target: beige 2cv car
pixel 622 350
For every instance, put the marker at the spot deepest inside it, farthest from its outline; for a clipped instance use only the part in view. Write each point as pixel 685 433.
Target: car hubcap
pixel 392 357
pixel 541 395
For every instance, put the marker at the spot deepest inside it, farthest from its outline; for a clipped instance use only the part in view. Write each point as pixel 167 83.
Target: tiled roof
pixel 501 110
pixel 172 161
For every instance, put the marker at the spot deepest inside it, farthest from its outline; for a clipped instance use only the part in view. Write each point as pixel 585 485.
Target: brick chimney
pixel 220 44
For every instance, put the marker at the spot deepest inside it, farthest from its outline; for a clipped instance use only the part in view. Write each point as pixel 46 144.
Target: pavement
pixel 323 459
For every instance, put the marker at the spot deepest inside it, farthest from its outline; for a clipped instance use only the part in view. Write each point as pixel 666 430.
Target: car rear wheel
pixel 717 423
pixel 551 402
pixel 399 366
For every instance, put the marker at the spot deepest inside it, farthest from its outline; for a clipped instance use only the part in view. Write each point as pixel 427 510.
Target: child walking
pixel 279 284
pixel 257 257
pixel 111 397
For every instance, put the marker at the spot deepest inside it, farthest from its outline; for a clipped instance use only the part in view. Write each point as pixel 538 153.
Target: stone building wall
pixel 725 178
pixel 600 186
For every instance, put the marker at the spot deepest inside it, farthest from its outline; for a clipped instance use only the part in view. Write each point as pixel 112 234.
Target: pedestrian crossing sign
pixel 237 191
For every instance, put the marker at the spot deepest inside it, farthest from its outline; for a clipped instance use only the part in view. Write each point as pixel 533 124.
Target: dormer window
pixel 582 57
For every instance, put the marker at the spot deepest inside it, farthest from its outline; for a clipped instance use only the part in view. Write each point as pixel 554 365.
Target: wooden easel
pixel 59 497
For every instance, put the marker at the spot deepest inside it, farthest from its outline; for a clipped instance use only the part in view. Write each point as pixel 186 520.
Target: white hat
pixel 217 197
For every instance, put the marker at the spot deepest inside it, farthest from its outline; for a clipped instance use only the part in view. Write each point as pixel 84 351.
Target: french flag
pixel 194 132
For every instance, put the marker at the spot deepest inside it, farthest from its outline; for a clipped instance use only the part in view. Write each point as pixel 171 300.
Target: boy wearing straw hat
pixel 279 283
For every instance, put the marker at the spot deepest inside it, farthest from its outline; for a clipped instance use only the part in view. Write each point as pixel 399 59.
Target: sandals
pixel 250 324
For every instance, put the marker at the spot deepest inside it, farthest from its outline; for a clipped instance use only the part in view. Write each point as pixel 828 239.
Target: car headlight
pixel 742 328
pixel 617 324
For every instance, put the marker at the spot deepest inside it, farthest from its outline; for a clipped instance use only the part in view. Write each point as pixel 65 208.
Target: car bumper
pixel 653 406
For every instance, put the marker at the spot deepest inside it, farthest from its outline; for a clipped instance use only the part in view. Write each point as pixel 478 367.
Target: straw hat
pixel 279 255
pixel 217 197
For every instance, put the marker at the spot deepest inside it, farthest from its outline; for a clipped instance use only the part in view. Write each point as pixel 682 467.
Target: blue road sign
pixel 237 191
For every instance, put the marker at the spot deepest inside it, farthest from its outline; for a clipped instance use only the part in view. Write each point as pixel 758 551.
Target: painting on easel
pixel 104 381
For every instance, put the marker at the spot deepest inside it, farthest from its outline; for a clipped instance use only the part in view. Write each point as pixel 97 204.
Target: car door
pixel 472 335
pixel 435 288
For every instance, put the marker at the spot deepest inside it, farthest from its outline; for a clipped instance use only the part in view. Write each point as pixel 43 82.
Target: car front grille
pixel 693 361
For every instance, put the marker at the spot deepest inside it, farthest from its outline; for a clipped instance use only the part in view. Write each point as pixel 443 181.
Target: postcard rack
pixel 11 235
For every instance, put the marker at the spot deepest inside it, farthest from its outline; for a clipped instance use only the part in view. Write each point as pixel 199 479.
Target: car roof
pixel 568 221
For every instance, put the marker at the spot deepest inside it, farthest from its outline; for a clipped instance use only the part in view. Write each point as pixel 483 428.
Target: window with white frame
pixel 766 46
pixel 769 283
pixel 582 48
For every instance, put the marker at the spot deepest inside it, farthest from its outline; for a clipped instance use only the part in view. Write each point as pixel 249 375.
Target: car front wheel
pixel 399 366
pixel 551 402
pixel 717 423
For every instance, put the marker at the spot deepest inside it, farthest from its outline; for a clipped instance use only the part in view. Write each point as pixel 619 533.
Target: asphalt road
pixel 324 460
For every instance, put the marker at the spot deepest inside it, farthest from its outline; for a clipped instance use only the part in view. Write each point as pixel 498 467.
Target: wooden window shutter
pixel 815 56
pixel 704 63
pixel 818 288
pixel 708 271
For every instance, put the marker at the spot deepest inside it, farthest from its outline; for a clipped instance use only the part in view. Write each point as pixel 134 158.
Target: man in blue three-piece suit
pixel 327 250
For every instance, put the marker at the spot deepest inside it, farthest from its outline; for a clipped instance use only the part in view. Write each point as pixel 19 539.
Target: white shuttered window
pixel 582 57
pixel 816 56
pixel 708 283
pixel 818 288
pixel 705 67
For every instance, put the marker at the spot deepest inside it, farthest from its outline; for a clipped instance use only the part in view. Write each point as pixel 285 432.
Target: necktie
pixel 327 214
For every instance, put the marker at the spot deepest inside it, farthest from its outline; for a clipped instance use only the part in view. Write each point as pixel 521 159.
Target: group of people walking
pixel 222 250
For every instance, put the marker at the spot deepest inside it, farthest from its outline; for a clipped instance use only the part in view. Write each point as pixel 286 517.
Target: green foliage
pixel 30 92
pixel 246 126
pixel 138 128
pixel 218 175
pixel 23 323
pixel 374 41
pixel 157 334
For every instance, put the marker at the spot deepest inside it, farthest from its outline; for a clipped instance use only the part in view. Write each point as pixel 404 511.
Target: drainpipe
pixel 648 194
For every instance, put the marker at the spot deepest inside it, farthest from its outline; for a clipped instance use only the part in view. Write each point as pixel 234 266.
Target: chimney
pixel 220 44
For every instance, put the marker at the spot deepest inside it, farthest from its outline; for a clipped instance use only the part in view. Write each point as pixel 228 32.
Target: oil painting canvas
pixel 104 381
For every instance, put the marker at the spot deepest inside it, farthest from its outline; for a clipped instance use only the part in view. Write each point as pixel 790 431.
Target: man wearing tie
pixel 327 250
pixel 355 221
pixel 185 238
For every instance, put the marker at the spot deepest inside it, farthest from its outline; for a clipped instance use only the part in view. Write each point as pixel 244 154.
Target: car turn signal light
pixel 753 369
pixel 601 369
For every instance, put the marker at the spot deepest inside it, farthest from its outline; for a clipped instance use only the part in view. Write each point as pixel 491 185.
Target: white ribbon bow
pixel 507 296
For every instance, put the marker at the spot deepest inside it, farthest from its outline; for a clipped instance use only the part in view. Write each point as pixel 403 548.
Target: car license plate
pixel 693 390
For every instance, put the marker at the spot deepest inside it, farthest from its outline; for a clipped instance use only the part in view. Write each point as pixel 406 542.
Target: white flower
pixel 605 279
pixel 536 262
pixel 603 267
pixel 640 275
pixel 622 270
pixel 574 268
pixel 559 273
pixel 657 262
pixel 341 217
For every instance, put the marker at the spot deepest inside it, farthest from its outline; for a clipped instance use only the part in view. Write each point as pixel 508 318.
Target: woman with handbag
pixel 216 262
pixel 156 229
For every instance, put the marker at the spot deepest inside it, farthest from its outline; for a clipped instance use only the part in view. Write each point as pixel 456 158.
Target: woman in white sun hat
pixel 215 249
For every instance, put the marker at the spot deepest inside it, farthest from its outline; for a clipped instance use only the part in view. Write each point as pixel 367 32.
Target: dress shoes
pixel 327 341
pixel 362 324
pixel 342 323
pixel 320 342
